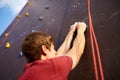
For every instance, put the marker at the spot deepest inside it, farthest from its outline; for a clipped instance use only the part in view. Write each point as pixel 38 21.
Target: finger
pixel 75 24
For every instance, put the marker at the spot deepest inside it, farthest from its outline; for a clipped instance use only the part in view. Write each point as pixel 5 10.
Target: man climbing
pixel 44 63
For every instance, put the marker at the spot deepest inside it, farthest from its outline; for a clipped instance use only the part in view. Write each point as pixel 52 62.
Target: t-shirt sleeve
pixel 63 65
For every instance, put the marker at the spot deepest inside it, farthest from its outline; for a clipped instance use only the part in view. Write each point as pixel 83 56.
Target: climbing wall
pixel 55 17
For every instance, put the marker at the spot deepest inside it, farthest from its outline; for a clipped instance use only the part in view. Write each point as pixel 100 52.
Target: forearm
pixel 78 45
pixel 63 49
pixel 77 50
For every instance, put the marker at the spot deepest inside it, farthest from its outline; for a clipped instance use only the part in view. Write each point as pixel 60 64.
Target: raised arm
pixel 64 48
pixel 78 45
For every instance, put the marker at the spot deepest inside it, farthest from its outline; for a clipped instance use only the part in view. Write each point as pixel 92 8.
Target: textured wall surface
pixel 56 18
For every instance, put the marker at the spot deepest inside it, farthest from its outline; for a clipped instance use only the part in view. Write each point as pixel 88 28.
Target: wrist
pixel 71 32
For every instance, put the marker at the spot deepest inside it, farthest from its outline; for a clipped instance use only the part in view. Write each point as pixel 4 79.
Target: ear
pixel 45 50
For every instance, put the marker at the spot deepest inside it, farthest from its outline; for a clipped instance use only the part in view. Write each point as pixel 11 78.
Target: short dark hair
pixel 32 45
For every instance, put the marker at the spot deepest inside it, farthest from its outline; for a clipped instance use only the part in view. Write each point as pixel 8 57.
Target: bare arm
pixel 78 45
pixel 64 48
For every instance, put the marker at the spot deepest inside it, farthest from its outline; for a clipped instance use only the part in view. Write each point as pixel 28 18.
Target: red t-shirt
pixel 56 68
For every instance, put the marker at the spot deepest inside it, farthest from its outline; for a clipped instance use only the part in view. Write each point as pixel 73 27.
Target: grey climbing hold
pixel 46 7
pixel 40 18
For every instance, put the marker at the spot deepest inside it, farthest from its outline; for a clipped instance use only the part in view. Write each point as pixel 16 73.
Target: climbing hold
pixel 46 7
pixel 8 45
pixel 74 6
pixel 6 34
pixel 20 54
pixel 53 20
pixel 26 14
pixel 18 16
pixel 78 3
pixel 40 18
pixel 33 30
pixel 29 3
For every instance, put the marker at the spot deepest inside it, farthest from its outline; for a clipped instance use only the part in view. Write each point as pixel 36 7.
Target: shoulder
pixel 62 62
pixel 63 58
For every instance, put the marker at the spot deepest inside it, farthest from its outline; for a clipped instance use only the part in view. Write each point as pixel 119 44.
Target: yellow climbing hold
pixel 29 3
pixel 18 16
pixel 26 14
pixel 6 34
pixel 8 45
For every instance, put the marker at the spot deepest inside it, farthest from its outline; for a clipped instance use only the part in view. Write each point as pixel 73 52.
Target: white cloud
pixel 14 5
pixel 2 3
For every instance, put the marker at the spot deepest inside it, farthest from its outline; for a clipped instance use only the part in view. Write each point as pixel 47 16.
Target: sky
pixel 8 11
